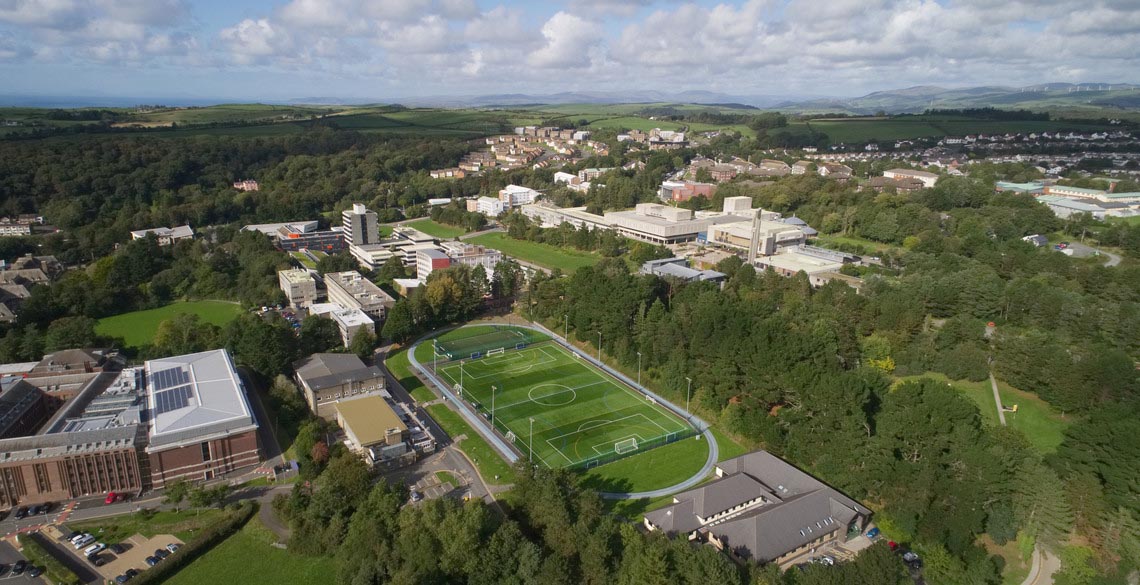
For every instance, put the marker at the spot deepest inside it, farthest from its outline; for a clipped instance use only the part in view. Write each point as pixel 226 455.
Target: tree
pixel 339 262
pixel 177 491
pixel 70 332
pixel 400 326
pixel 391 269
pixel 185 333
pixel 319 334
pixel 266 344
pixel 363 343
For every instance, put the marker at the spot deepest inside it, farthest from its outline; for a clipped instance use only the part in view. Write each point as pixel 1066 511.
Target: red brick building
pixel 62 466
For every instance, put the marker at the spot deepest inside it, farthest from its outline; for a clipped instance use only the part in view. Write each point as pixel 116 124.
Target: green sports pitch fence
pixel 581 417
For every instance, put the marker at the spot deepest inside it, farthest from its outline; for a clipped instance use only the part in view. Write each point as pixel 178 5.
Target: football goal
pixel 625 446
pixel 496 351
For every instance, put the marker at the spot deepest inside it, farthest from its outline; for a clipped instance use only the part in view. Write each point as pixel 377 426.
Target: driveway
pixel 1082 251
pixel 422 476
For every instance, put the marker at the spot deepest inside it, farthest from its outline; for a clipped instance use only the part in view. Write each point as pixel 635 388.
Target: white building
pixel 488 206
pixel 928 179
pixel 568 178
pixel 299 286
pixel 514 196
pixel 473 255
pixel 166 236
pixel 348 321
pixel 548 215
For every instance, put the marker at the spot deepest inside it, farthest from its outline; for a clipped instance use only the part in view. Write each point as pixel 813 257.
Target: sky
pixel 387 49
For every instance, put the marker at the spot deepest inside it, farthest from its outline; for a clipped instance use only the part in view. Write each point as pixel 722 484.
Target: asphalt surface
pixel 8 556
pixel 1082 251
pixel 85 571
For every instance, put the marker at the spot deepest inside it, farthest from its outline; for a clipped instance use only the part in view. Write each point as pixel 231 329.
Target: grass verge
pixel 54 570
pixel 181 523
pixel 249 557
pixel 436 229
pixel 401 368
pixel 491 466
pixel 651 470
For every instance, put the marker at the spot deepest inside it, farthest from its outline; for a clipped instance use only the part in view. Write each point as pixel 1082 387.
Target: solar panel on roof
pixel 172 399
pixel 170 378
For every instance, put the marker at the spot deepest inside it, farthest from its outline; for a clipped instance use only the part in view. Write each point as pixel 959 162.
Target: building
pixel 513 196
pixel 374 431
pixel 166 236
pixel 1031 188
pixel 404 243
pixel 62 466
pixel 807 259
pixel 247 185
pixel 299 286
pixel 678 191
pixel 350 322
pixel 271 229
pixel 465 254
pixel 350 290
pixel 23 408
pixel 489 206
pixel 325 378
pixel 903 185
pixel 590 174
pixel 297 236
pixel 770 235
pixel 678 268
pixel 762 508
pixel 801 167
pixel 405 286
pixel 1037 240
pixel 1064 207
pixel 200 425
pixel 547 215
pixel 14 228
pixel 359 225
pixel 928 179
pixel 428 261
pixel 660 224
pixel 448 173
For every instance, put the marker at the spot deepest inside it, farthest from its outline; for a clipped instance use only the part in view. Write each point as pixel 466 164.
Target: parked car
pixel 19 567
pixel 3 568
pixel 893 545
pixel 76 537
pixel 46 507
pixel 161 553
pixel 151 561
pixel 911 557
pixel 35 571
pixel 82 542
pixel 98 560
pixel 94 549
pixel 21 512
pixel 172 547
pixel 827 560
pixel 111 497
pixel 132 573
pixel 122 579
pixel 873 533
pixel 117 548
pixel 417 496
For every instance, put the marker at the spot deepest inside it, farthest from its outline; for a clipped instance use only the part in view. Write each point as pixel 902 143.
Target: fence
pixel 642 447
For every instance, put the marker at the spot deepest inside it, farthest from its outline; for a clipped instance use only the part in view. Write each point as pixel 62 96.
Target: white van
pixel 93 549
pixel 78 537
pixel 84 541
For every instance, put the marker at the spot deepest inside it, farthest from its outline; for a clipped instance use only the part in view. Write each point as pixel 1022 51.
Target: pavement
pixel 8 556
pixel 65 553
pixel 422 476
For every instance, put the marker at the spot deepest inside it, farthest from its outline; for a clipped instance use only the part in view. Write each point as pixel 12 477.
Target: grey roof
pixel 56 444
pixel 327 370
pixel 215 406
pixel 795 508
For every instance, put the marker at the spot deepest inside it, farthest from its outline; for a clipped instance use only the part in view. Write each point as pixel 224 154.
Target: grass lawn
pixel 1044 428
pixel 438 230
pixel 839 241
pixel 138 328
pixel 491 466
pixel 248 557
pixel 182 523
pixel 653 469
pixel 728 448
pixel 401 368
pixel 1016 564
pixel 446 477
pixel 543 255
pixel 304 260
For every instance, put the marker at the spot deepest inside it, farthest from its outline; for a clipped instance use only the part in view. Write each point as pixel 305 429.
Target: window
pixel 206 451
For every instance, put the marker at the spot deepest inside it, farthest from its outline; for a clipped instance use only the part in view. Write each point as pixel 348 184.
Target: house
pixel 448 173
pixel 325 378
pixel 166 236
pixel 928 179
pixel 247 185
pixel 1037 240
pixel 762 508
pixel 801 167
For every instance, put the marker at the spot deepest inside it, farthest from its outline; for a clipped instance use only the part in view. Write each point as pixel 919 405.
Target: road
pixel 1082 251
pixel 997 399
pixel 1044 565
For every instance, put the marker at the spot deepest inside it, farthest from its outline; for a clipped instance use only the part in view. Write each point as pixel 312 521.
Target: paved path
pixel 997 399
pixel 1044 565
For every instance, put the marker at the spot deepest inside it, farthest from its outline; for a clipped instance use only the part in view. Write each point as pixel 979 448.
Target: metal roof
pixel 326 370
pixel 194 397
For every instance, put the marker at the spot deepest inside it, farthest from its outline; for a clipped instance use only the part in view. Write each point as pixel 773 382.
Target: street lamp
pixel 688 394
pixel 531 440
pixel 599 346
pixel 639 368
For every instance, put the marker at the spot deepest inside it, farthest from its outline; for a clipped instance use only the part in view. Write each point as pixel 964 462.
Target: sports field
pixel 581 416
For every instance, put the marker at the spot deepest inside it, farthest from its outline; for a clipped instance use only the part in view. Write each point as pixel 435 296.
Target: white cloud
pixel 251 40
pixel 569 39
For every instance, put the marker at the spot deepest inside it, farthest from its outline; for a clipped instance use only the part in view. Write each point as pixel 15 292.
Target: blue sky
pixel 388 49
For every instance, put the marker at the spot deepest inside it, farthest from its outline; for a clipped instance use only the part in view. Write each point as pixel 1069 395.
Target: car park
pixel 117 548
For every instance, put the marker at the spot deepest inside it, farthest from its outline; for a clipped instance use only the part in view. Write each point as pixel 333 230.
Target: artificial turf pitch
pixel 580 413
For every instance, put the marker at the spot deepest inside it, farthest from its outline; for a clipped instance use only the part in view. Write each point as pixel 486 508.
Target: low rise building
pixel 325 378
pixel 350 290
pixel 761 508
pixel 928 179
pixel 660 224
pixel 547 215
pixel 428 261
pixel 513 196
pixel 1064 207
pixel 374 431
pixel 63 466
pixel 465 254
pixel 489 206
pixel 23 408
pixel 299 287
pixel 350 322
pixel 1030 188
pixel 679 191
pixel 297 236
pixel 247 185
pixel 14 228
pixel 200 425
pixel 166 236
pixel 809 259
pixel 678 268
pixel 271 229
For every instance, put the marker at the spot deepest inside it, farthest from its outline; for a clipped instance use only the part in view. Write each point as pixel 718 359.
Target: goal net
pixel 496 351
pixel 625 446
pixel 511 436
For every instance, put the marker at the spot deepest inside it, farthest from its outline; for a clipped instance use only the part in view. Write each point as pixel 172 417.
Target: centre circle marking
pixel 554 397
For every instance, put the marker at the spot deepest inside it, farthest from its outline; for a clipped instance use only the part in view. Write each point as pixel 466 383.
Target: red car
pixel 111 497
pixel 894 545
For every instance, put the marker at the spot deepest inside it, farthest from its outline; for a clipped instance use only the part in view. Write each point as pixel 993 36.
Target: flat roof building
pixel 200 422
pixel 165 235
pixel 299 286
pixel 661 224
pixel 928 179
pixel 428 261
pixel 350 290
pixel 360 225
pixel 678 268
pixel 325 378
pixel 373 430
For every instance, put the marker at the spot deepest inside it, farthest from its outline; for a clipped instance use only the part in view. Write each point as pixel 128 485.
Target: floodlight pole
pixel 434 356
pixel 639 368
pixel 599 346
pixel 565 325
pixel 531 440
pixel 493 407
pixel 461 379
pixel 688 394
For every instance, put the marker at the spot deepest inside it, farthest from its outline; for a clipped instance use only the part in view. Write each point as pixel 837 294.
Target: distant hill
pixel 917 99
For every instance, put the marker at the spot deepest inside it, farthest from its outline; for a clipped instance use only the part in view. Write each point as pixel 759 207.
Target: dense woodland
pixel 806 373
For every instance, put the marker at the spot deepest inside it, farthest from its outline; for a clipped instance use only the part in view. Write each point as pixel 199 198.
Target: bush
pixel 963 362
pixel 200 545
pixel 53 569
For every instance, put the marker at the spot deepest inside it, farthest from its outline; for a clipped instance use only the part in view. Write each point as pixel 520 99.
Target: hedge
pixel 200 545
pixel 53 569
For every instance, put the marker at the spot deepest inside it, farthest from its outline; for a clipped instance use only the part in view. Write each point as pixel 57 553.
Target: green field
pixel 580 415
pixel 401 368
pixel 439 230
pixel 225 113
pixel 543 255
pixel 654 469
pixel 138 328
pixel 249 557
pixel 858 130
pixel 1044 428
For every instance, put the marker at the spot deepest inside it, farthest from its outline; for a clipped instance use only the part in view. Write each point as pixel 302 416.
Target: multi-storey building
pixel 360 226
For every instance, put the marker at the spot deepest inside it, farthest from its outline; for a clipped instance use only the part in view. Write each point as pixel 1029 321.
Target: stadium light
pixel 531 440
pixel 565 325
pixel 599 346
pixel 688 394
pixel 434 356
pixel 461 379
pixel 492 408
pixel 639 368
